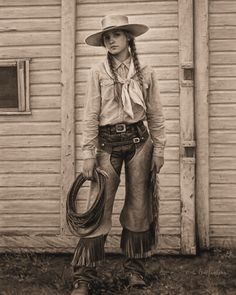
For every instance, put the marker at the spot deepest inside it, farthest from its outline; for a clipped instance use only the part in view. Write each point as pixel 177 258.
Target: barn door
pixel 168 47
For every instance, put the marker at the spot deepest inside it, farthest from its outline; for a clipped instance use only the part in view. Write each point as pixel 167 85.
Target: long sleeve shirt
pixel 103 109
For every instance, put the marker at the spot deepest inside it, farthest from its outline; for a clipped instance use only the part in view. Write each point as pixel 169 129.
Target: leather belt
pixel 121 127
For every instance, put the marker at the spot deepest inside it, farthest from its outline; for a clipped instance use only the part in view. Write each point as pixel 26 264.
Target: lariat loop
pixel 83 224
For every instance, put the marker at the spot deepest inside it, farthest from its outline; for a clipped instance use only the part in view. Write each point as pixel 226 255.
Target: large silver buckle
pixel 120 128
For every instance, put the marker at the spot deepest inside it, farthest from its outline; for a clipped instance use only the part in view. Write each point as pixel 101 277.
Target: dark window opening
pixel 8 87
pixel 14 87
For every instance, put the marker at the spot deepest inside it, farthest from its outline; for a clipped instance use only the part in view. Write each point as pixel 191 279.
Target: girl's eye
pixel 117 34
pixel 114 35
pixel 106 37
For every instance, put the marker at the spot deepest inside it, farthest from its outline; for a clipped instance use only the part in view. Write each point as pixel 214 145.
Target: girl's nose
pixel 111 40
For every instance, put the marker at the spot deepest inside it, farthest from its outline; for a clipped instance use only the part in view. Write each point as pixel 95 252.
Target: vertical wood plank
pixel 67 103
pixel 187 136
pixel 27 94
pixel 21 85
pixel 187 182
pixel 201 119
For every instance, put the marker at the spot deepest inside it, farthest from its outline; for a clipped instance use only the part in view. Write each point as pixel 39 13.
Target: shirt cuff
pixel 158 152
pixel 89 154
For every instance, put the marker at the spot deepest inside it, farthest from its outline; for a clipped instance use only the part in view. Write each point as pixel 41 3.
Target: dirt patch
pixel 211 273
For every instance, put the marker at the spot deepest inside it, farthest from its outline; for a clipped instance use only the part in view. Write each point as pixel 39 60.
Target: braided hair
pixel 114 74
pixel 134 55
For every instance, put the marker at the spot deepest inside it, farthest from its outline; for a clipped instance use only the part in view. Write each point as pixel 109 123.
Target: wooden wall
pixel 222 120
pixel 30 144
pixel 159 48
pixel 31 206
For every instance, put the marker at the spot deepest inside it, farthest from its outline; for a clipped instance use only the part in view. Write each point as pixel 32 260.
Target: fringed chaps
pixel 139 217
pixel 89 251
pixel 141 244
pixel 137 244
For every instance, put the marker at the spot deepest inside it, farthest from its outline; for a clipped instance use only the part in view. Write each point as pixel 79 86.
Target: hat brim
pixel 135 29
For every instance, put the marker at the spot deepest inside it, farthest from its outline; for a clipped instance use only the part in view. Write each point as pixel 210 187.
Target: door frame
pixel 68 30
pixel 201 48
pixel 193 57
pixel 187 129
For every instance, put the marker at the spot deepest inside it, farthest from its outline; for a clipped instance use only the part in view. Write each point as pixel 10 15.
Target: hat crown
pixel 114 21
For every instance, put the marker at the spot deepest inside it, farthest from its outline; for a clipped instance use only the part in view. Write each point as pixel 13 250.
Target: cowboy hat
pixel 111 22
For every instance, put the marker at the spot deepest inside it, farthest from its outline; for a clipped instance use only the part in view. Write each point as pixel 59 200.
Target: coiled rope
pixel 83 224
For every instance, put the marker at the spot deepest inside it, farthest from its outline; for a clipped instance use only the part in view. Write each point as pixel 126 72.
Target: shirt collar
pixel 117 63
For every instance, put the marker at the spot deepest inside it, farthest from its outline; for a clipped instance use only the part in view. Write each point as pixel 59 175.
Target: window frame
pixel 22 67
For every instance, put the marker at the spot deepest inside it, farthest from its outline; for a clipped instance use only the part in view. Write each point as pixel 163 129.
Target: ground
pixel 212 272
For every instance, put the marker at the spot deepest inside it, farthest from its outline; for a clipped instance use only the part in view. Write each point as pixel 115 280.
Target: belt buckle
pixel 136 140
pixel 120 128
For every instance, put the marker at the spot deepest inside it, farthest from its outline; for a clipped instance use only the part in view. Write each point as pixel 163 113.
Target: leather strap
pixel 128 127
pixel 135 140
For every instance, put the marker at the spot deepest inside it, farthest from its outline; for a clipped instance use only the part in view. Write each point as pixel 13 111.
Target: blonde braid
pixel 114 74
pixel 111 65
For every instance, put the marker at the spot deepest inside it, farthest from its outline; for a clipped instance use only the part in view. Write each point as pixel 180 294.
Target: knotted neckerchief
pixel 130 90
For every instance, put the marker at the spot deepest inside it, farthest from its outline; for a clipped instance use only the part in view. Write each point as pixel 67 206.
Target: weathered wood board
pixel 30 145
pixel 222 114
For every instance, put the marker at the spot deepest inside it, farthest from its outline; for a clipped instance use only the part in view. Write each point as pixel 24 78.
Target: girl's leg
pixel 84 276
pixel 135 271
pixel 90 249
pixel 138 236
pixel 137 214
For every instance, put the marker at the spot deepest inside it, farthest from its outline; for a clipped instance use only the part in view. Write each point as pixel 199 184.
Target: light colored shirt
pixel 103 109
pixel 122 68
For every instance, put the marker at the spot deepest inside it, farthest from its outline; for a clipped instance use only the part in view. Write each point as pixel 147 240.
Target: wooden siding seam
pixel 32 4
pixel 78 2
pixel 223 91
pixel 29 3
pixel 88 3
pixel 222 12
pixel 31 18
pixel 141 14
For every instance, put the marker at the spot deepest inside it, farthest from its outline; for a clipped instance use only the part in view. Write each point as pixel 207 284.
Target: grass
pixel 211 273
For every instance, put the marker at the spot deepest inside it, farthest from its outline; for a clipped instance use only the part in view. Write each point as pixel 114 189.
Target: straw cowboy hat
pixel 111 22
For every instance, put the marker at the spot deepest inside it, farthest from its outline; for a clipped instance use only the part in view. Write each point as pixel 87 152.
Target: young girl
pixel 122 94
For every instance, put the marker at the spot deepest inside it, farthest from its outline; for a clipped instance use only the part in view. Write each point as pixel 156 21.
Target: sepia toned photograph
pixel 117 147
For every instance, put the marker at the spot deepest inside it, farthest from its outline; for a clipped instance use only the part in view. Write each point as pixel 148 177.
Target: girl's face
pixel 116 42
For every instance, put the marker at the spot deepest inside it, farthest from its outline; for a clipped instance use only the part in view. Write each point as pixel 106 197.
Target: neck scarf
pixel 131 91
